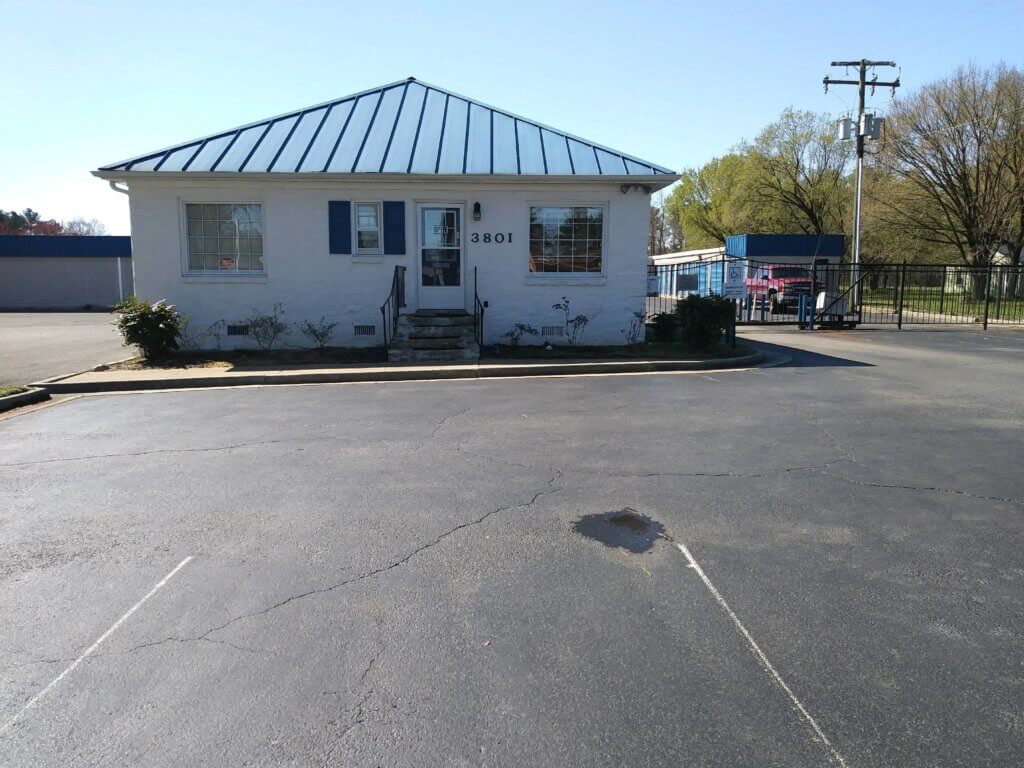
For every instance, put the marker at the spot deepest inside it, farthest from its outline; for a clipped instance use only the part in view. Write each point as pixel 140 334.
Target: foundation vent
pixel 365 330
pixel 551 330
pixel 238 330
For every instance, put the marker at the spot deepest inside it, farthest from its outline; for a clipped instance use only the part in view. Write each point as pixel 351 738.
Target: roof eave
pixel 653 181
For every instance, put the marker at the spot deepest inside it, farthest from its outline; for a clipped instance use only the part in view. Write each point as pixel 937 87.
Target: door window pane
pixel 441 251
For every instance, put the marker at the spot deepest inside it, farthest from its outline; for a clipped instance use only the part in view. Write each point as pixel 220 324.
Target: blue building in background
pixel 725 270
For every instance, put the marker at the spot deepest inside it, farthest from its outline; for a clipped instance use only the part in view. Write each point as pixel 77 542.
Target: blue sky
pixel 672 82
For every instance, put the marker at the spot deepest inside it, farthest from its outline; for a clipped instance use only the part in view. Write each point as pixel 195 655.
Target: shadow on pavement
pixel 802 358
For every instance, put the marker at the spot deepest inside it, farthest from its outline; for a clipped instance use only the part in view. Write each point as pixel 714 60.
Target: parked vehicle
pixel 780 286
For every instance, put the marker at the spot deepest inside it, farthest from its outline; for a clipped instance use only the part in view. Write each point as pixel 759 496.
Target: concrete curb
pixel 29 397
pixel 63 384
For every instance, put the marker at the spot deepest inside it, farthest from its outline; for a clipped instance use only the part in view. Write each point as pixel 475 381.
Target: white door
pixel 441 262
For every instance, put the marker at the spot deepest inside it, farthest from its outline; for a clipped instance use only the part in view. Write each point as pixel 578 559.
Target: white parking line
pixel 94 646
pixel 833 754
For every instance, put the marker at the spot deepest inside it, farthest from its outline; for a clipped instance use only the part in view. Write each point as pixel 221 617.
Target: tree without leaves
pixel 29 222
pixel 663 232
pixel 83 227
pixel 955 145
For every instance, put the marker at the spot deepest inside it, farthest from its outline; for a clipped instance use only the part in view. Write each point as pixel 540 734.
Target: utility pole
pixel 868 126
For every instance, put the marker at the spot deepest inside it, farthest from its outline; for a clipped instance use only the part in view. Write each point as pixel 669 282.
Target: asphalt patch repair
pixel 625 528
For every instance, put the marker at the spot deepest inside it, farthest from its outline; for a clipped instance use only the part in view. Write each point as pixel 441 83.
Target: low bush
pixel 664 327
pixel 518 331
pixel 154 328
pixel 318 333
pixel 265 330
pixel 702 320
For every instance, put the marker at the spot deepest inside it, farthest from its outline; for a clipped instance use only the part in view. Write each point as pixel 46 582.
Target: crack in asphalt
pixel 925 488
pixel 205 636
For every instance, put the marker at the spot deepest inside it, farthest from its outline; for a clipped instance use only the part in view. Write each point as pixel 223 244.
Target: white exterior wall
pixel 311 282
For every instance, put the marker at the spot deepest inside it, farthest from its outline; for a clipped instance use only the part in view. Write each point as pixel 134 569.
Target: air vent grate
pixel 551 330
pixel 366 330
pixel 238 330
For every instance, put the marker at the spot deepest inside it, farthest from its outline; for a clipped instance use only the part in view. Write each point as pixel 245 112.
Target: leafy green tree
pixel 708 203
pixel 792 179
pixel 799 172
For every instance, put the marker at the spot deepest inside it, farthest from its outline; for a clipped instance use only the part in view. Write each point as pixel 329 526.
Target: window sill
pixel 566 280
pixel 215 278
pixel 367 258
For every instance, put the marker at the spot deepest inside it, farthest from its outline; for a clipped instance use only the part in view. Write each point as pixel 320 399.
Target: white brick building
pixel 315 209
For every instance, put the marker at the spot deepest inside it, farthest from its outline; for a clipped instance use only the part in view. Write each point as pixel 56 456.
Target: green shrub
pixel 703 320
pixel 664 327
pixel 154 328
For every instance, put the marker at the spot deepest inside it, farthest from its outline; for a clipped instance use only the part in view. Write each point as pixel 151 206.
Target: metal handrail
pixel 478 312
pixel 395 301
pixel 839 297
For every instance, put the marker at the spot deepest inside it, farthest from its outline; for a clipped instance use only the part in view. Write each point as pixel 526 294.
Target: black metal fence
pixel 831 293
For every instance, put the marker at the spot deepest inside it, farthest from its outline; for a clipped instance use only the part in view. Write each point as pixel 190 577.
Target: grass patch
pixel 654 350
pixel 935 300
pixel 251 358
pixel 11 389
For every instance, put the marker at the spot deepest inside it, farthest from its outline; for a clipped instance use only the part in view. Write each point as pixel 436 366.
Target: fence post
pixel 732 325
pixel 1000 281
pixel 942 291
pixel 988 287
pixel 899 299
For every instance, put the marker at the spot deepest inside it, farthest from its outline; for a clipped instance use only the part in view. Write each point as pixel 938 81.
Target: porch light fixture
pixel 476 211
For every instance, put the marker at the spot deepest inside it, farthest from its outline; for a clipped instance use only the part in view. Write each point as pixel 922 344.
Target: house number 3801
pixel 487 237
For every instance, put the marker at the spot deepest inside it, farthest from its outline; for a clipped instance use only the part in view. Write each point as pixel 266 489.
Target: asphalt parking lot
pixel 38 345
pixel 424 574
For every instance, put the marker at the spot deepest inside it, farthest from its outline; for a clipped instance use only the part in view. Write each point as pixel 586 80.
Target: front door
pixel 441 268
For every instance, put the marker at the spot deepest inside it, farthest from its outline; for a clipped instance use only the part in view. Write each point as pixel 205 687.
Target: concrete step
pixel 444 332
pixel 440 313
pixel 467 354
pixel 437 321
pixel 398 343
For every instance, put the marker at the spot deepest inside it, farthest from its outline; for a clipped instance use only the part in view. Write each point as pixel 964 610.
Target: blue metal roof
pixel 780 246
pixel 406 127
pixel 65 245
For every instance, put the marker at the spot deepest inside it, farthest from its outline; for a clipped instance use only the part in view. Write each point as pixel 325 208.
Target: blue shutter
pixel 394 227
pixel 339 226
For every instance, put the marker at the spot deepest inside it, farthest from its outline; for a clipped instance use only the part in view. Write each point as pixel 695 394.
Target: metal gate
pixel 827 293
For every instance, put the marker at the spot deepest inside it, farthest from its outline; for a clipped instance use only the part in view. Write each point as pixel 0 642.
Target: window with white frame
pixel 566 238
pixel 224 237
pixel 367 227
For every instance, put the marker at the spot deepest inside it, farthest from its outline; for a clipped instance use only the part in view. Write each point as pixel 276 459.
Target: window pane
pixel 366 216
pixel 565 238
pixel 220 235
pixel 368 240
